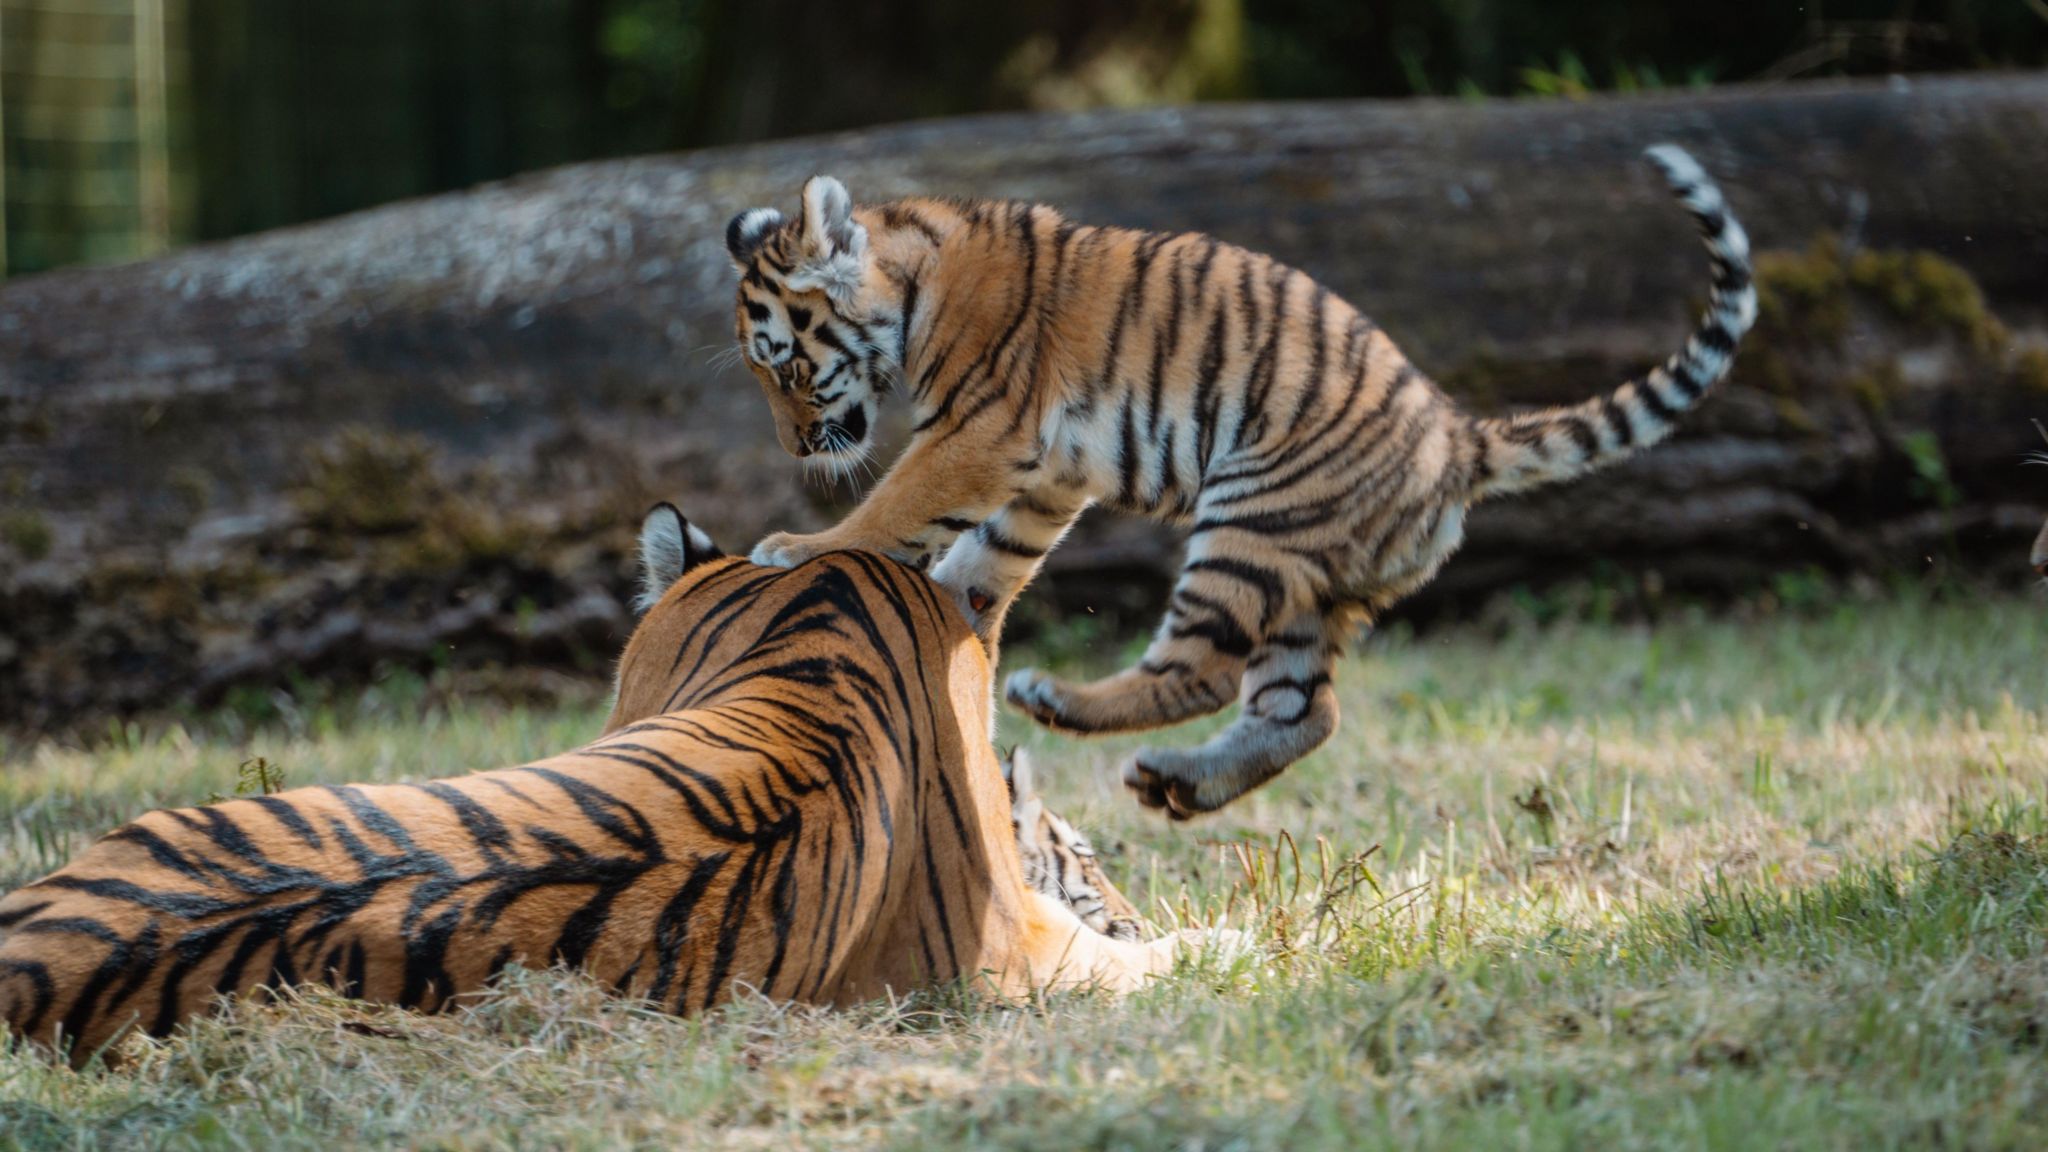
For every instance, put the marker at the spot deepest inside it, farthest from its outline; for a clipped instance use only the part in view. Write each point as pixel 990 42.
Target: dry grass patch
pixel 1770 882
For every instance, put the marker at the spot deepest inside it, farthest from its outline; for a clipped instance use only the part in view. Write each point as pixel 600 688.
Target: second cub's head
pixel 814 322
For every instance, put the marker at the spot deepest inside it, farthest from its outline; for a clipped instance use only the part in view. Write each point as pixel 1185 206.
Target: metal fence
pixel 90 91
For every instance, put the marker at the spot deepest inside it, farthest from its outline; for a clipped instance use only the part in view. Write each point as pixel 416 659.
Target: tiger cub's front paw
pixel 1035 694
pixel 787 549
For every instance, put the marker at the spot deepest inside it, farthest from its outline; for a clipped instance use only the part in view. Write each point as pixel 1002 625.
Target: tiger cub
pixel 1059 861
pixel 1051 366
pixel 795 793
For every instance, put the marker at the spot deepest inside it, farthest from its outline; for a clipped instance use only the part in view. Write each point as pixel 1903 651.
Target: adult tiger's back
pixel 795 793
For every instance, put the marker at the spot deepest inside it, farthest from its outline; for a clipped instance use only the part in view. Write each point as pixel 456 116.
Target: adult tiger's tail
pixel 1521 452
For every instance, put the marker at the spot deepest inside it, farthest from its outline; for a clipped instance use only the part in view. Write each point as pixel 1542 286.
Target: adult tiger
pixel 1052 366
pixel 795 792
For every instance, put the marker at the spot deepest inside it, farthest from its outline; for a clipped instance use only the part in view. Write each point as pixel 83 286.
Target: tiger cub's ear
pixel 835 245
pixel 669 547
pixel 746 232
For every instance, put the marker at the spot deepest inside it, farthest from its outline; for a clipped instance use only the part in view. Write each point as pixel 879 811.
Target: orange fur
pixel 794 793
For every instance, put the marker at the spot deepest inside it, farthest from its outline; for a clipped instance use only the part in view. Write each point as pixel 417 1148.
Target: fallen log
pixel 433 424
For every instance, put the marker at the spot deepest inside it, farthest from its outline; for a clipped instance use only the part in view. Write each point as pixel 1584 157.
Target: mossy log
pixel 433 424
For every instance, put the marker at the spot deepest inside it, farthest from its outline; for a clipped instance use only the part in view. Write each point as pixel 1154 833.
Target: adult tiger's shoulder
pixel 795 792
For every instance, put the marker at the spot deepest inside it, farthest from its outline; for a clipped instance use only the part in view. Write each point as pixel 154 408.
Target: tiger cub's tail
pixel 1523 451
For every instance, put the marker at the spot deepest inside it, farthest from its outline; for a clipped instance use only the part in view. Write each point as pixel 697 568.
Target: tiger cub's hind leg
pixel 1288 707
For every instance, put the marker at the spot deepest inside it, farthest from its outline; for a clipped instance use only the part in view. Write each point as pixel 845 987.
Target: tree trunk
pixel 426 432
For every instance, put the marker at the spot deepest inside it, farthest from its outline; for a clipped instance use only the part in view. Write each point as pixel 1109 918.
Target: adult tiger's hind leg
pixel 1288 707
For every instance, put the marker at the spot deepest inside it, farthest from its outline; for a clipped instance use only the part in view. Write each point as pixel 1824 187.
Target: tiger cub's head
pixel 814 323
pixel 1059 862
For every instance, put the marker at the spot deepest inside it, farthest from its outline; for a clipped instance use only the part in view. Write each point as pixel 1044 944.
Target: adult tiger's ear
pixel 834 244
pixel 744 235
pixel 669 547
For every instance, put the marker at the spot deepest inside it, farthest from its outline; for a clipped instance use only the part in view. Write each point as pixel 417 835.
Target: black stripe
pixel 162 852
pixel 1654 402
pixel 830 339
pixel 1730 275
pixel 1029 502
pixel 1716 337
pixel 287 813
pixel 1482 464
pixel 370 816
pixel 1275 522
pixel 910 291
pixel 1165 341
pixel 72 926
pixel 938 898
pixel 1127 457
pixel 1264 580
pixel 1689 385
pixel 672 927
pixel 486 831
pixel 1617 421
pixel 1581 434
pixel 43 992
pixel 1219 628
pixel 898 216
pixel 1132 299
pixel 1208 401
pixel 739 900
pixel 10 919
pixel 185 906
pixel 782 902
pixel 1001 542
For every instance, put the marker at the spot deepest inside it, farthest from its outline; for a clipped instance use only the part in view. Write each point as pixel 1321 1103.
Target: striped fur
pixel 1051 366
pixel 1060 862
pixel 794 793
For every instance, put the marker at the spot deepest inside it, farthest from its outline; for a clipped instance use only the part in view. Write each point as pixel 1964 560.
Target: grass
pixel 1776 881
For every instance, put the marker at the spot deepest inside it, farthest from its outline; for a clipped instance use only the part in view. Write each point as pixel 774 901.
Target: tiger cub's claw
pixel 1159 791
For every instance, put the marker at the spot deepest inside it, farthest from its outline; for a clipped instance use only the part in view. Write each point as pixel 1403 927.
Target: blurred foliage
pixel 292 111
